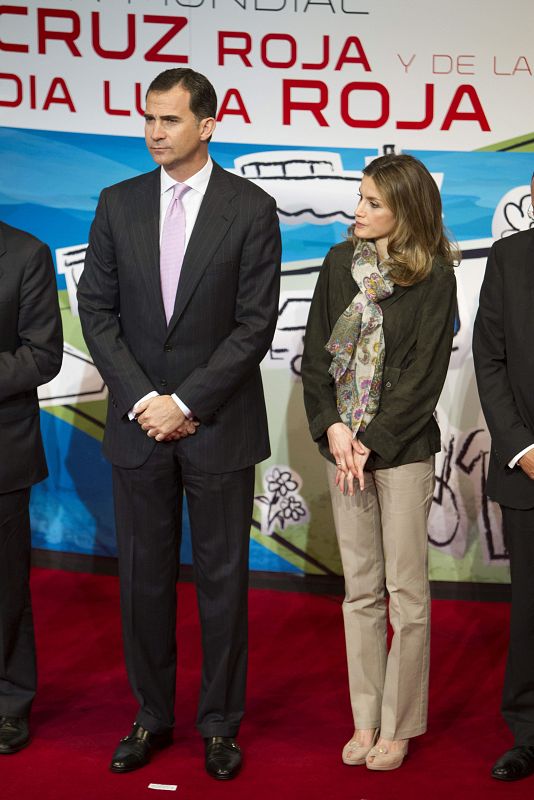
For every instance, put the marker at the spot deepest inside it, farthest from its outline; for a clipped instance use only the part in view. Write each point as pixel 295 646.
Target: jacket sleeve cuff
pixel 509 448
pixel 381 441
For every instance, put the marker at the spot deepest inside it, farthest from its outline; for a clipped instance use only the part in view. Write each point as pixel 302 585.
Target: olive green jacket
pixel 418 329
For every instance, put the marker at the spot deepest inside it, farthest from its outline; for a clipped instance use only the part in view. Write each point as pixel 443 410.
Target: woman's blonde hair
pixel 410 192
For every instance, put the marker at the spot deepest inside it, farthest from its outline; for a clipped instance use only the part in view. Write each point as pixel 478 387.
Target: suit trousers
pixel 18 676
pixel 518 692
pixel 148 514
pixel 382 537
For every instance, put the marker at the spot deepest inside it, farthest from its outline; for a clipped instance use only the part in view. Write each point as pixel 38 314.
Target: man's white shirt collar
pixel 199 181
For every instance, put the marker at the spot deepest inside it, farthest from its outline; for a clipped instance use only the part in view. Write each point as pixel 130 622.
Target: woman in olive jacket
pixel 376 353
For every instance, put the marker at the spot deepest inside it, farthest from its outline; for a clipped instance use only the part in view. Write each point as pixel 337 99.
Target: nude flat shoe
pixel 380 759
pixel 354 754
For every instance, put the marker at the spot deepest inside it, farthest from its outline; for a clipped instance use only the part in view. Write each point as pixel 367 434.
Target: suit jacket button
pixel 388 384
pixel 167 348
pixel 163 382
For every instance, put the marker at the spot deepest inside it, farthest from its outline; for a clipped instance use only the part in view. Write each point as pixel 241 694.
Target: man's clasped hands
pixel 164 420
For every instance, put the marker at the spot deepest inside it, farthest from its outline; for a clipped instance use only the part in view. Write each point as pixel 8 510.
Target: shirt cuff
pixel 132 411
pixel 182 406
pixel 516 458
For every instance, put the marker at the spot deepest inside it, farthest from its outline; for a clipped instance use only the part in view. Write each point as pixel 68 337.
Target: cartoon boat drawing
pixel 308 186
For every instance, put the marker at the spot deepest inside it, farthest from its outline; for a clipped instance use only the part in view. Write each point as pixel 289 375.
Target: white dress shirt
pixel 192 199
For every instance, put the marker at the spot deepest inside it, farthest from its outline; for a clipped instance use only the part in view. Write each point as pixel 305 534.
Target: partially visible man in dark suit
pixel 503 350
pixel 178 302
pixel 31 350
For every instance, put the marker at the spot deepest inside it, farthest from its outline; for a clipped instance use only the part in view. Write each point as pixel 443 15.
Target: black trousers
pixel 18 675
pixel 148 513
pixel 518 692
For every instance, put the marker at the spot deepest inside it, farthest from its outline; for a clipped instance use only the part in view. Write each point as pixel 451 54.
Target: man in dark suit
pixel 31 349
pixel 504 364
pixel 186 408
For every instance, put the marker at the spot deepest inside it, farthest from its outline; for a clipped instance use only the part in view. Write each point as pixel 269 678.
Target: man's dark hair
pixel 203 102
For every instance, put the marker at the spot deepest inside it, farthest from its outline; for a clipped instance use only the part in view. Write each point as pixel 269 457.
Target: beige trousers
pixel 382 537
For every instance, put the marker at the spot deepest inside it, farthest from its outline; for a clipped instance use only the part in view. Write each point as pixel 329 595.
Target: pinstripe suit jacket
pixel 31 349
pixel 504 364
pixel 223 322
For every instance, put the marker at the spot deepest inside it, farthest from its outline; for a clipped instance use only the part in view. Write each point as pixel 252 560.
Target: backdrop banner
pixel 309 91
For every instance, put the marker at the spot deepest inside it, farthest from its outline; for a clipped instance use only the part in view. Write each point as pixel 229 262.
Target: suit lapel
pixel 144 227
pixel 215 216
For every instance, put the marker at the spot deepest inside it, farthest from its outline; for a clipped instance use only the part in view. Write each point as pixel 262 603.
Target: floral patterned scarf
pixel 357 341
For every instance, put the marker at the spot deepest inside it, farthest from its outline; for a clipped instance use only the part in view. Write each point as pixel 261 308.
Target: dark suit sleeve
pixel 417 392
pixel 318 384
pixel 509 433
pixel 38 357
pixel 99 307
pixel 233 361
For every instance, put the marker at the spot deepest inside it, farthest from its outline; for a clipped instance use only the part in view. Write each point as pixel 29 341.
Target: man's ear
pixel 207 126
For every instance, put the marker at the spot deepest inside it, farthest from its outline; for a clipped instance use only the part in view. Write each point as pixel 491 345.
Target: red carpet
pixel 298 713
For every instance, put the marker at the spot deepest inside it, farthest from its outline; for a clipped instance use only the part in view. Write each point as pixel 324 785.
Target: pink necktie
pixel 172 248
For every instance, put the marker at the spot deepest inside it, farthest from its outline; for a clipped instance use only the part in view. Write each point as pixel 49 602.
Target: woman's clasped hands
pixel 350 455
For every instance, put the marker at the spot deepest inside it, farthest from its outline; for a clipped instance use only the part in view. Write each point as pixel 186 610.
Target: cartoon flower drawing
pixel 279 480
pixel 281 505
pixel 292 508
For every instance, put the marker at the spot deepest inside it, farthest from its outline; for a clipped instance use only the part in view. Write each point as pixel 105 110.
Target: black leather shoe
pixel 223 757
pixel 515 764
pixel 134 750
pixel 14 734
